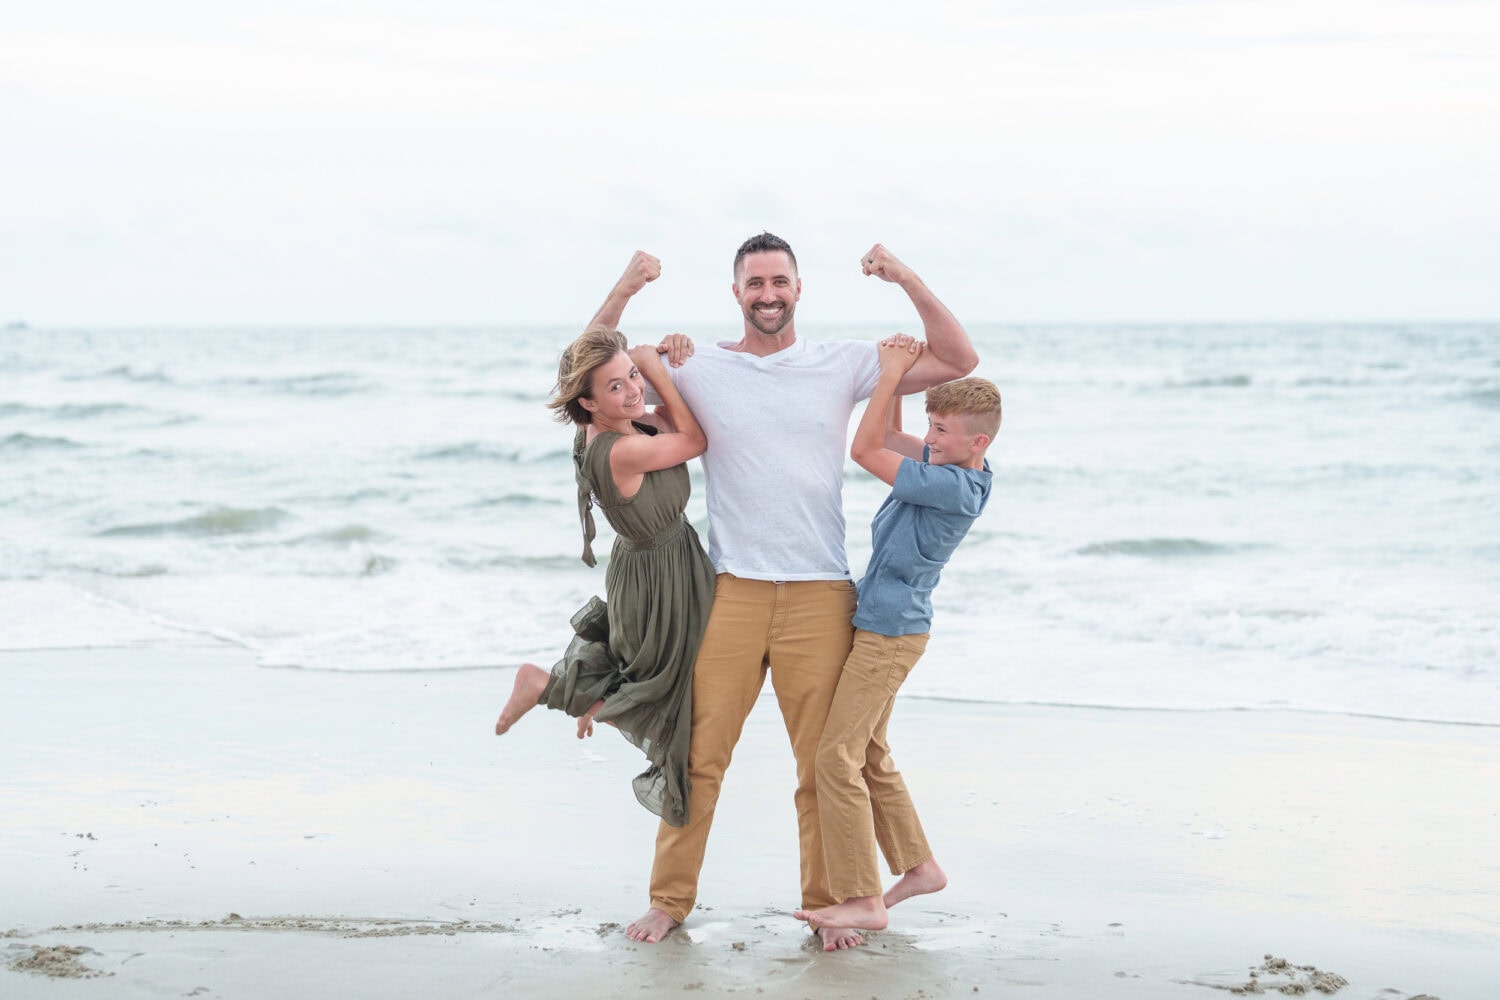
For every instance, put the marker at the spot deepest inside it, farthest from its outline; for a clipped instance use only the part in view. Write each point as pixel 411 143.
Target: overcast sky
pixel 446 161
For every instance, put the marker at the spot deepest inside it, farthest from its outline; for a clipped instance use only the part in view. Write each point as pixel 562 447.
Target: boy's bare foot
pixel 652 927
pixel 586 720
pixel 926 877
pixel 839 938
pixel 530 681
pixel 866 913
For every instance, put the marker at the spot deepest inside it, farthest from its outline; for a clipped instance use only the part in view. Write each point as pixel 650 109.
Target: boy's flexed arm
pixel 897 440
pixel 873 437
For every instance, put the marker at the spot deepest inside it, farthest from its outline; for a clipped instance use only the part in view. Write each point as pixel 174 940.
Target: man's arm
pixel 949 354
pixel 642 268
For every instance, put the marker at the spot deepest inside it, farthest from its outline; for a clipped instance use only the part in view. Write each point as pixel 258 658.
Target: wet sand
pixel 183 823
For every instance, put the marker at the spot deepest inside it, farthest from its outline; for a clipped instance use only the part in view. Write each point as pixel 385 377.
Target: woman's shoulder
pixel 595 462
pixel 603 441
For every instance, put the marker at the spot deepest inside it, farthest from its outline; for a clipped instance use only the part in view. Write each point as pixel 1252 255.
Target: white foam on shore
pixel 384 627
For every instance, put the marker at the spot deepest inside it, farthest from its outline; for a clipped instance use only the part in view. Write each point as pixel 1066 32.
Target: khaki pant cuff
pixel 896 869
pixel 843 896
pixel 677 913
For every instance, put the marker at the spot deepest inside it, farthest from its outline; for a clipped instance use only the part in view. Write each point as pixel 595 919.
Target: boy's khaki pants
pixel 858 784
pixel 801 633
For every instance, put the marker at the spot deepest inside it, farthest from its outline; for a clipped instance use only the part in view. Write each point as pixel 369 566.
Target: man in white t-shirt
pixel 776 411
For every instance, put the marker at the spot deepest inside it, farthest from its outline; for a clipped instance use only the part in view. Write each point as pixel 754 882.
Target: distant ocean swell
pixel 1167 548
pixel 219 521
pixel 35 442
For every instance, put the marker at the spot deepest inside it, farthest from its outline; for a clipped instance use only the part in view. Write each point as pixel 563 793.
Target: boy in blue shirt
pixel 939 486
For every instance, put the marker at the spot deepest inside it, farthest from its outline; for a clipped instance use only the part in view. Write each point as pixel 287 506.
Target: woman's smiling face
pixel 617 391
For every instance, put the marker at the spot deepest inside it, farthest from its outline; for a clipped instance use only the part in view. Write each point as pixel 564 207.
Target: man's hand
pixel 883 264
pixel 899 352
pixel 642 268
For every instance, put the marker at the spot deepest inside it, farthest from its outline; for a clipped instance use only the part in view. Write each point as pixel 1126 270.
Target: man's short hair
pixel 761 243
pixel 976 400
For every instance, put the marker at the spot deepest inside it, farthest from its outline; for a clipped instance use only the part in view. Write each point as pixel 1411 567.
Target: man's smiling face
pixel 768 290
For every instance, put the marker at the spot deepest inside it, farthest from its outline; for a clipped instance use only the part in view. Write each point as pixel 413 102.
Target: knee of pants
pixel 704 765
pixel 833 758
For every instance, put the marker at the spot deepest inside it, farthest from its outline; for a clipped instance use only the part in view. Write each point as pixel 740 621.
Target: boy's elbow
pixel 862 454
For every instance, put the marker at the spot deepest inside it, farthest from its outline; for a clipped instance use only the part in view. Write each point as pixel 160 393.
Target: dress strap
pixel 585 494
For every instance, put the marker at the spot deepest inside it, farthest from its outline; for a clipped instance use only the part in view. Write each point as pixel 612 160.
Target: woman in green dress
pixel 630 662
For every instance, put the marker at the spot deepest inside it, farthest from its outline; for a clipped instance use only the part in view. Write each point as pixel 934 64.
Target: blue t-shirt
pixel 914 532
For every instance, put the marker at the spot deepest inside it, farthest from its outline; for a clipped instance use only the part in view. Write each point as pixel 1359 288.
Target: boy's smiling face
pixel 949 441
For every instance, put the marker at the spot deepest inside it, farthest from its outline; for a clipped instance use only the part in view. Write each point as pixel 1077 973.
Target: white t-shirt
pixel 777 428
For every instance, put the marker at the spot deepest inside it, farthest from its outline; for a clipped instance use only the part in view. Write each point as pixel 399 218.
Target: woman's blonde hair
pixel 595 347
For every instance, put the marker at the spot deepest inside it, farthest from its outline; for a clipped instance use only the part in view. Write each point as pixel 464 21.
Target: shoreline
pixel 217 646
pixel 202 824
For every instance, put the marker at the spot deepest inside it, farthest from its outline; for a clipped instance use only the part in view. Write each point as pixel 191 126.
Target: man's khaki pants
pixel 801 633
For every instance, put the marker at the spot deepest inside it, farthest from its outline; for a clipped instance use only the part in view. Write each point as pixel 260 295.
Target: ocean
pixel 1268 517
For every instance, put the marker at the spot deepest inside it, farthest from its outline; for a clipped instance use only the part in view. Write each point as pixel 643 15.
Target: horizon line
pixel 23 326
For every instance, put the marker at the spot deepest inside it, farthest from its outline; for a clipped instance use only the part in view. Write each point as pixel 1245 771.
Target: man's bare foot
pixel 866 913
pixel 651 927
pixel 530 681
pixel 926 877
pixel 839 938
pixel 586 720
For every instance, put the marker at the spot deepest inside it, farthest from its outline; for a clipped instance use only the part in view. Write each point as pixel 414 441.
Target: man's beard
pixel 771 326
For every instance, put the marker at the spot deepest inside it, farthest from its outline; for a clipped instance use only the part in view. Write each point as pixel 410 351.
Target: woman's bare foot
pixel 651 927
pixel 866 913
pixel 839 938
pixel 586 720
pixel 926 877
pixel 530 681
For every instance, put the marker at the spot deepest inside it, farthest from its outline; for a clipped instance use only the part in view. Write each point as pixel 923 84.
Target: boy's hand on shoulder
pixel 899 352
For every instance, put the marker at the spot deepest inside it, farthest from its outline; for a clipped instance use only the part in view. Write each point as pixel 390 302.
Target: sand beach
pixel 185 823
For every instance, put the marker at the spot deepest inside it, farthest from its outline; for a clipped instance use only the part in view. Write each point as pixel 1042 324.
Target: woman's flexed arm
pixel 637 454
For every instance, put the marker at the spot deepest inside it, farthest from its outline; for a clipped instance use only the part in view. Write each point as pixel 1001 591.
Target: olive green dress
pixel 635 649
